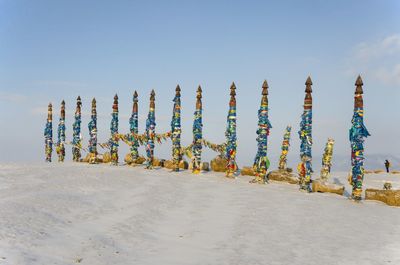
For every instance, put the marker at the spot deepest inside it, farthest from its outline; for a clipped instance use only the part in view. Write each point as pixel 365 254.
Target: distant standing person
pixel 387 165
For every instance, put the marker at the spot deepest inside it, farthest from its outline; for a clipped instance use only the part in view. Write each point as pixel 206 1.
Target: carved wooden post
pixel 61 134
pixel 230 133
pixel 176 130
pixel 261 161
pixel 357 133
pixel 76 140
pixel 305 134
pixel 197 133
pixel 48 133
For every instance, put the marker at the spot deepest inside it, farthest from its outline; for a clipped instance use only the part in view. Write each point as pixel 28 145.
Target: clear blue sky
pixel 54 50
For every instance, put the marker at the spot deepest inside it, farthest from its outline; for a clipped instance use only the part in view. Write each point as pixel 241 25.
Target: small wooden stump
pixel 390 197
pixel 85 159
pixel 158 162
pixel 183 164
pixel 106 157
pixel 283 175
pixel 88 159
pixel 168 164
pixel 247 171
pixel 319 185
pixel 205 166
pixel 128 159
pixel 218 164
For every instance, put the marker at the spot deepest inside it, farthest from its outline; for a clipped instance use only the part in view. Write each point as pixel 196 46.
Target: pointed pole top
pixel 50 112
pixel 359 83
pixel 233 88
pixel 199 93
pixel 358 99
pixel 135 102
pixel 265 88
pixel 78 105
pixel 152 99
pixel 178 90
pixel 94 113
pixel 199 96
pixel 62 109
pixel 265 84
pixel 308 97
pixel 309 81
pixel 308 85
pixel 232 102
pixel 115 105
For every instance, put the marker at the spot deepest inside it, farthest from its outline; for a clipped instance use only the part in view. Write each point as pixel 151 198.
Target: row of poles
pixel 227 149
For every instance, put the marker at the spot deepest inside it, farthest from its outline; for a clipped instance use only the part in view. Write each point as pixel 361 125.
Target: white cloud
pixel 389 76
pixel 379 60
pixel 385 47
pixel 12 97
pixel 60 84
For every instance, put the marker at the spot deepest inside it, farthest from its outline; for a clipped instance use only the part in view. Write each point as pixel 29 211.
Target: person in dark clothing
pixel 387 165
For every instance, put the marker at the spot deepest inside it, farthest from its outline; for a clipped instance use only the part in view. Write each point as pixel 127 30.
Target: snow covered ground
pixel 99 214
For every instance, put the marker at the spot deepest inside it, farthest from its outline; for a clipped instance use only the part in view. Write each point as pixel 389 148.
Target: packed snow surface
pixel 100 214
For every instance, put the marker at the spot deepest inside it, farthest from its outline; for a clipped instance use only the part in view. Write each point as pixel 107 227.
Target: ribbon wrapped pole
pixel 134 128
pixel 48 133
pixel 176 130
pixel 77 137
pixel 60 149
pixel 357 133
pixel 327 160
pixel 93 134
pixel 261 161
pixel 197 134
pixel 230 134
pixel 113 142
pixel 305 134
pixel 150 131
pixel 285 148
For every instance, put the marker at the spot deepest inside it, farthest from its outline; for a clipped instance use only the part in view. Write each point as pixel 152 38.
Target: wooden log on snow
pixel 247 171
pixel 218 164
pixel 390 197
pixel 319 185
pixel 284 176
pixel 128 159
